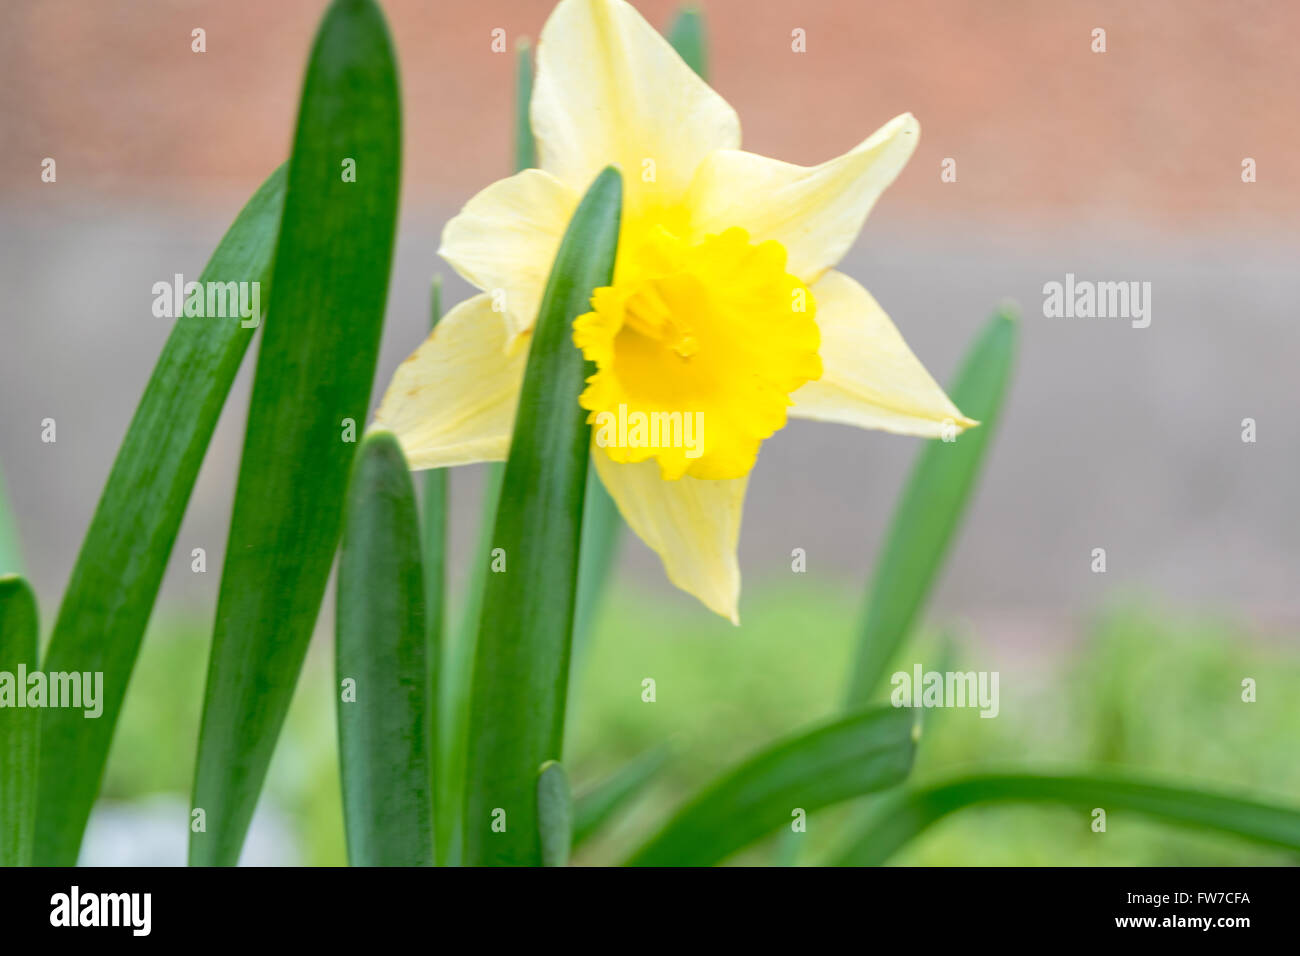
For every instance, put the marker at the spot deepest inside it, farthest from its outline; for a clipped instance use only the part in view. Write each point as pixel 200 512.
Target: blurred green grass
pixel 1147 688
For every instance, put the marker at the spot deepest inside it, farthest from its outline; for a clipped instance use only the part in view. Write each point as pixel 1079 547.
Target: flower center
pixel 697 348
pixel 648 314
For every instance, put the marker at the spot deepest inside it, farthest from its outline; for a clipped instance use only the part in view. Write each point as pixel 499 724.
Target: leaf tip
pixel 1008 310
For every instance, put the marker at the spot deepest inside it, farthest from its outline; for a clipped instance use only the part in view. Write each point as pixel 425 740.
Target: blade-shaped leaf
pixel 931 507
pixel 554 814
pixel 601 527
pixel 120 567
pixel 19 725
pixel 525 146
pixel 458 654
pixel 858 754
pixel 521 666
pixel 384 712
pixel 789 846
pixel 11 555
pixel 595 807
pixel 433 538
pixel 454 688
pixel 909 813
pixel 314 374
pixel 688 39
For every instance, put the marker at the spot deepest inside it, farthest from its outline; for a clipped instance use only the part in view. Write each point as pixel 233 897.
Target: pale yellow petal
pixel 816 212
pixel 870 377
pixel 505 239
pixel 453 401
pixel 610 89
pixel 691 523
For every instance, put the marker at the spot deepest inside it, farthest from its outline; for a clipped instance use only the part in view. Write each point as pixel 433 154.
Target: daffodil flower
pixel 725 304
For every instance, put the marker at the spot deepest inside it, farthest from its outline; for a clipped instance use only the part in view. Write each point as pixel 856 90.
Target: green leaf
pixel 433 537
pixel 314 373
pixel 521 666
pixel 458 657
pixel 554 814
pixel 11 554
pixel 789 846
pixel 115 581
pixel 687 37
pixel 909 813
pixel 864 752
pixel 525 147
pixel 385 723
pixel 601 525
pixel 931 507
pixel 19 726
pixel 454 688
pixel 595 807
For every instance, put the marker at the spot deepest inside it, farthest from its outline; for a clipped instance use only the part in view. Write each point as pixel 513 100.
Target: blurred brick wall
pixel 1152 131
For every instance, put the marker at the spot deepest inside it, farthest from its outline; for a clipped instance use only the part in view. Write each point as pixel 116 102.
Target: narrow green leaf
pixel 525 147
pixel 789 845
pixel 19 726
pixel 521 665
pixel 554 814
pixel 116 578
pixel 454 688
pixel 601 528
pixel 435 302
pixel 458 657
pixel 864 752
pixel 384 714
pixel 314 373
pixel 687 37
pixel 931 507
pixel 433 536
pixel 11 553
pixel 595 807
pixel 909 813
